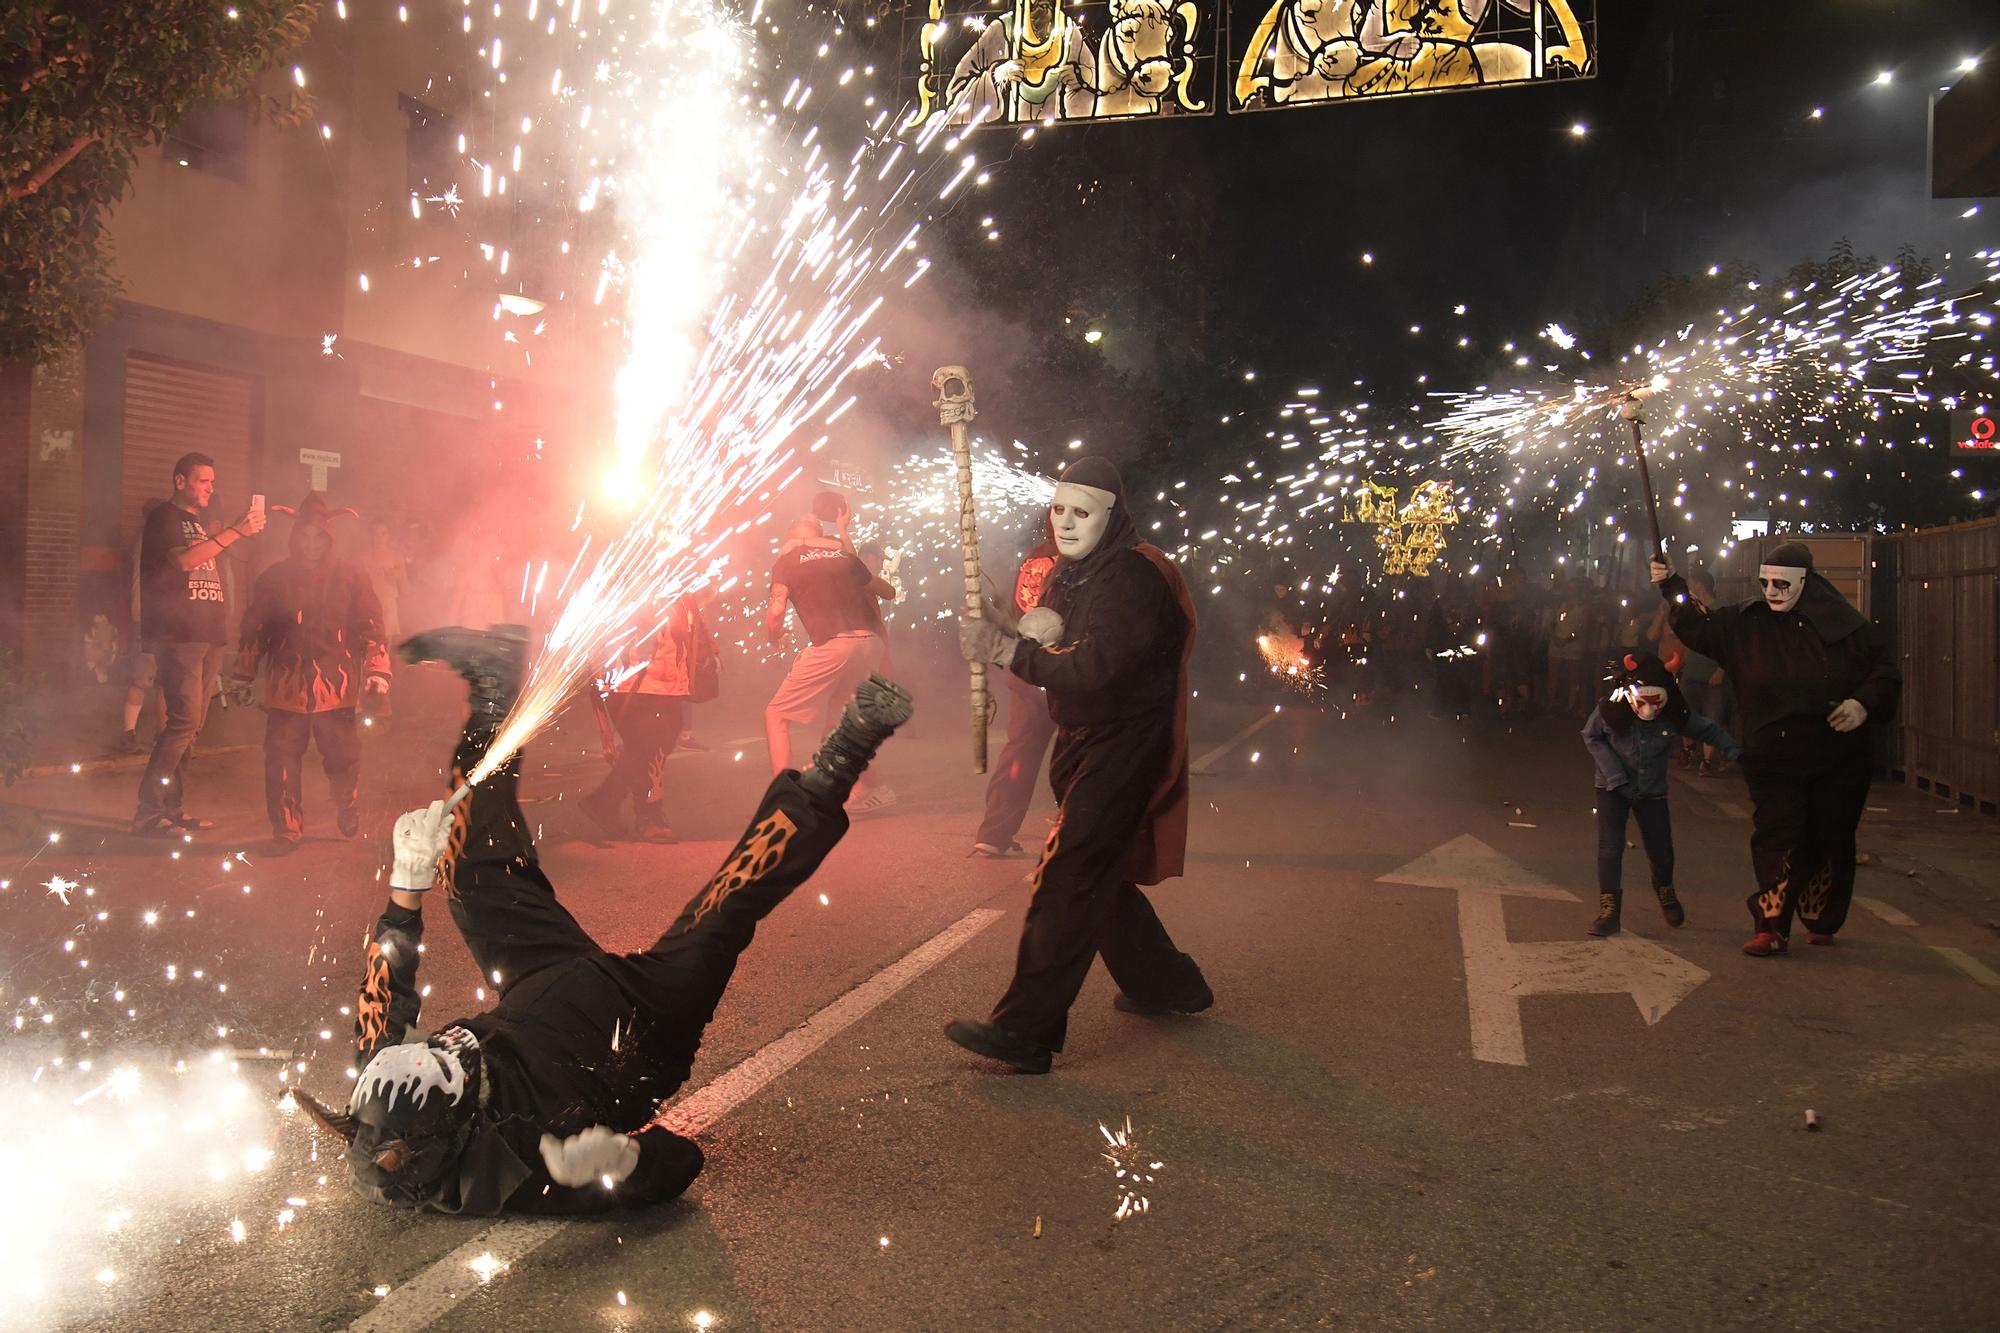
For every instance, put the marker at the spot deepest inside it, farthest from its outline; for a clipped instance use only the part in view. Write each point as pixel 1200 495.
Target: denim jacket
pixel 1637 760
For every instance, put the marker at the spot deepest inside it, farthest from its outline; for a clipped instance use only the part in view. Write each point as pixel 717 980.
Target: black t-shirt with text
pixel 176 605
pixel 830 589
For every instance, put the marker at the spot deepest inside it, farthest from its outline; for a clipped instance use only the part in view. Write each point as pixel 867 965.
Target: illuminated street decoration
pixel 1410 537
pixel 1307 51
pixel 1039 62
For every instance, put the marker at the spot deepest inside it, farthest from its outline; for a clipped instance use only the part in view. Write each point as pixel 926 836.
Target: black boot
pixel 997 1043
pixel 493 662
pixel 879 706
pixel 1670 906
pixel 1607 914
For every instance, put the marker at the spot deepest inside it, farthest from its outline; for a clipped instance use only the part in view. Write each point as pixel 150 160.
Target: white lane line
pixel 1201 765
pixel 1895 916
pixel 432 1293
pixel 1969 965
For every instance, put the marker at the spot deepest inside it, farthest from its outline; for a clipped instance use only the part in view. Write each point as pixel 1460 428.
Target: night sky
pixel 1203 246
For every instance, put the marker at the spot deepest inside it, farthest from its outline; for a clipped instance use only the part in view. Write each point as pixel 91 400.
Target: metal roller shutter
pixel 173 409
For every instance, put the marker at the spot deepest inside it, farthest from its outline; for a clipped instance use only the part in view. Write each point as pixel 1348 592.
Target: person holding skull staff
pixel 1812 680
pixel 1110 644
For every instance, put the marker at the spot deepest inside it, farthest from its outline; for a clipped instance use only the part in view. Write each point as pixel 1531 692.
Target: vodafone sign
pixel 1975 432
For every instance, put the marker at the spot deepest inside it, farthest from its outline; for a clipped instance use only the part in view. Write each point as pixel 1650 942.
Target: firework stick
pixel 1630 411
pixel 954 404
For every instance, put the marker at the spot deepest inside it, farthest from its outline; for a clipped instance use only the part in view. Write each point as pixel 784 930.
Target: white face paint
pixel 1080 515
pixel 410 1070
pixel 1782 585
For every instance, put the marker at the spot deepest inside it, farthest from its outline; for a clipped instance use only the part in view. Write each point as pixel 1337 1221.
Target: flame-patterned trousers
pixel 1807 801
pixel 528 945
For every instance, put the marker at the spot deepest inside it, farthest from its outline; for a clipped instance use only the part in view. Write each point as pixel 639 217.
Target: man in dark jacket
pixel 314 627
pixel 546 1102
pixel 1811 678
pixel 1116 675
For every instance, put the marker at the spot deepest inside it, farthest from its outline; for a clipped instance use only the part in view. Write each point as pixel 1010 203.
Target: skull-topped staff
pixel 953 386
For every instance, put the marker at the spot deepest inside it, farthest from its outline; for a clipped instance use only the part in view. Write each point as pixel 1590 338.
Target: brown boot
pixel 1608 905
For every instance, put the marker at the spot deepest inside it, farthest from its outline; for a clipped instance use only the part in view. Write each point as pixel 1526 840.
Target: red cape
pixel 1161 850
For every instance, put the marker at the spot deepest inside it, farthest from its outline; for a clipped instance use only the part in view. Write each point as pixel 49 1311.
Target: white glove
pixel 1043 626
pixel 598 1153
pixel 1847 715
pixel 420 840
pixel 984 641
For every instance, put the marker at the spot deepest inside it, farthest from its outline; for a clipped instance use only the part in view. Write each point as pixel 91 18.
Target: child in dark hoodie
pixel 1630 736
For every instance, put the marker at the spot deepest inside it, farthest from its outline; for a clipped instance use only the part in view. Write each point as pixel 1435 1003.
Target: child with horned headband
pixel 1630 737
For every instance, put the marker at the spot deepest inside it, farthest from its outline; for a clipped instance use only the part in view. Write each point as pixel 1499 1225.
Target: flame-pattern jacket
pixel 316 630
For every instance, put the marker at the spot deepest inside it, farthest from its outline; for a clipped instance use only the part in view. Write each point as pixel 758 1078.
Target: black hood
pixel 1121 532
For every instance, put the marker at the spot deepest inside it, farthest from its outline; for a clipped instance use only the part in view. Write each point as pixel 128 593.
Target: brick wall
pixel 51 638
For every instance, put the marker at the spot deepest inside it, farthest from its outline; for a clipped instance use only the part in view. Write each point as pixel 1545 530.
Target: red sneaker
pixel 1766 943
pixel 1814 937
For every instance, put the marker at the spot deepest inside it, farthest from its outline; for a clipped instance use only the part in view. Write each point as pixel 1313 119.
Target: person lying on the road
pixel 545 1103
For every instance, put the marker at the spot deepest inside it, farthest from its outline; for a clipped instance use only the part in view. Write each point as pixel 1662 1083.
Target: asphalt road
pixel 1422 1103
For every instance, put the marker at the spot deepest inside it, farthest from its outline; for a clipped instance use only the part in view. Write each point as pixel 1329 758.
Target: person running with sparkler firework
pixel 546 1103
pixel 1116 675
pixel 1011 788
pixel 1630 737
pixel 837 601
pixel 1811 678
pixel 658 681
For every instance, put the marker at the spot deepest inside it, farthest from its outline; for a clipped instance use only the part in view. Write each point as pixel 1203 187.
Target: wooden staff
pixel 953 387
pixel 1629 409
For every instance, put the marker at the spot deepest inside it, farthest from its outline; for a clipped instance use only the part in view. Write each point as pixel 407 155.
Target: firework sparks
pixel 1132 1168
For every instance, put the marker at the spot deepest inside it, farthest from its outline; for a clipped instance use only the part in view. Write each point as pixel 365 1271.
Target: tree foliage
pixel 85 85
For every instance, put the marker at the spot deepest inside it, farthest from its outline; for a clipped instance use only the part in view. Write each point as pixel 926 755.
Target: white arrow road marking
pixel 432 1293
pixel 1469 865
pixel 1500 973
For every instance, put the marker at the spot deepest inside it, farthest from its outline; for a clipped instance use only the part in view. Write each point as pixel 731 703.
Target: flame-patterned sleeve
pixel 389 1004
pixel 366 629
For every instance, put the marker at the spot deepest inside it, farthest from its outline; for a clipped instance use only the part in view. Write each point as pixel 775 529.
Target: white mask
pixel 1080 515
pixel 1787 597
pixel 1647 701
pixel 412 1070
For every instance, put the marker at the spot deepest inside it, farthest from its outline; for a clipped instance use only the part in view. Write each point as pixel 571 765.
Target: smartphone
pixel 257 505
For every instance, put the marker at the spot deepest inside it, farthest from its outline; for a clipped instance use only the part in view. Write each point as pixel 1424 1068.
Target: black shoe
pixel 493 662
pixel 128 742
pixel 606 816
pixel 691 744
pixel 1607 916
pixel 1670 905
pixel 190 823
pixel 879 706
pixel 1191 1003
pixel 155 826
pixel 997 1043
pixel 282 844
pixel 348 821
